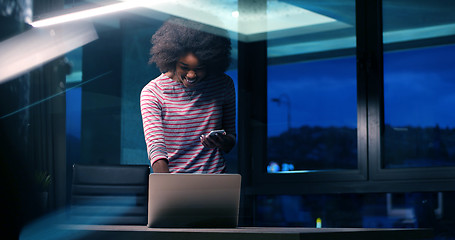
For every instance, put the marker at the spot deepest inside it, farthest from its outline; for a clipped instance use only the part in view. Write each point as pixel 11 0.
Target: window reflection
pixel 372 210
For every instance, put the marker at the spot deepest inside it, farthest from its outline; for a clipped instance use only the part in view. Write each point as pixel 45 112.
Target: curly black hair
pixel 180 36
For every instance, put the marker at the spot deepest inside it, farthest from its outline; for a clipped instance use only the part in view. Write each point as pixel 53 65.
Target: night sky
pixel 420 87
pixel 419 90
pixel 322 93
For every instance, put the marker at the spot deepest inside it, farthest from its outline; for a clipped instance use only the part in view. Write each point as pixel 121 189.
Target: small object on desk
pixel 318 223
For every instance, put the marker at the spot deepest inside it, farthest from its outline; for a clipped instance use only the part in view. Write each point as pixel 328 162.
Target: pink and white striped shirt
pixel 174 117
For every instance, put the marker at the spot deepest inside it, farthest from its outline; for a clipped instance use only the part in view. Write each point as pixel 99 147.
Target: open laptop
pixel 193 200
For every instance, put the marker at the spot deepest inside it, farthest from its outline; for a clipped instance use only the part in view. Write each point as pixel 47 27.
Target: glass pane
pixel 73 106
pixel 115 69
pixel 70 92
pixel 312 93
pixel 371 210
pixel 418 85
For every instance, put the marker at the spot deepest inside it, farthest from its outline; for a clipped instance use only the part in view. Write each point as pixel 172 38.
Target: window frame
pixel 369 176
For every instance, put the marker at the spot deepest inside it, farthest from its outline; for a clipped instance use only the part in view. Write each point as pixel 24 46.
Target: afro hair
pixel 179 36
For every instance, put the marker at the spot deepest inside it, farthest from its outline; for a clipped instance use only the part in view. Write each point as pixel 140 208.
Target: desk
pixel 113 232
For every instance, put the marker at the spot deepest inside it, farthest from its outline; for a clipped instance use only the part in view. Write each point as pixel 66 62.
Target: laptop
pixel 193 200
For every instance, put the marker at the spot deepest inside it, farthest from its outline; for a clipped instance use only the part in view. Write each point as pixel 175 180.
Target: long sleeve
pixel 151 102
pixel 229 107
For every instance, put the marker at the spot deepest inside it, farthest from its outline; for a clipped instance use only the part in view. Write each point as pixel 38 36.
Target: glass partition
pixel 104 124
pixel 78 102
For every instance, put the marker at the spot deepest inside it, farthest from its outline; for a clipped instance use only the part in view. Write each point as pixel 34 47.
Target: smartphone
pixel 217 131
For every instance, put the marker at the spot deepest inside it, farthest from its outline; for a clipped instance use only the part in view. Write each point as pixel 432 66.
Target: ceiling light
pixel 111 8
pixel 20 54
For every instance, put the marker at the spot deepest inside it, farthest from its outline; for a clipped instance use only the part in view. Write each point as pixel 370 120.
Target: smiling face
pixel 189 70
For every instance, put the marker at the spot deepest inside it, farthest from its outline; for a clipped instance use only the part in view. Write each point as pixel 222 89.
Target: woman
pixel 188 100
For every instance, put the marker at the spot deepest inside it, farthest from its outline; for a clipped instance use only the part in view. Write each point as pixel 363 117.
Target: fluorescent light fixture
pixel 93 12
pixel 84 14
pixel 37 46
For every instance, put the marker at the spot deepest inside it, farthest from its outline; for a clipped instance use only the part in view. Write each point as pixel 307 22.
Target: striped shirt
pixel 174 117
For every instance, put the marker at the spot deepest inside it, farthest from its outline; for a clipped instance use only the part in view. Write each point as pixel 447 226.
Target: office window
pixel 312 94
pixel 312 115
pixel 419 119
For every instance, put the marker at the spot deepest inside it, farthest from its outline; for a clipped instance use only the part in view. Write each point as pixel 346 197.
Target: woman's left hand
pixel 223 141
